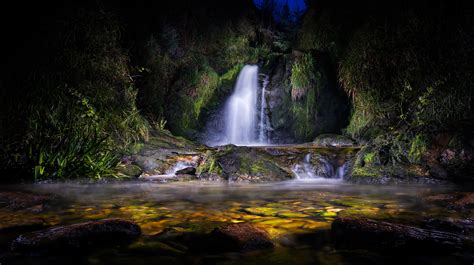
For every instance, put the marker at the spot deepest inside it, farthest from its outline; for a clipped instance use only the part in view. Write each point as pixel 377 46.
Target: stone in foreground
pixel 242 237
pixel 359 233
pixel 77 237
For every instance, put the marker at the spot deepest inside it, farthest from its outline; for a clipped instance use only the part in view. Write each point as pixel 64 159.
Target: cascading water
pixel 264 123
pixel 326 170
pixel 178 166
pixel 244 123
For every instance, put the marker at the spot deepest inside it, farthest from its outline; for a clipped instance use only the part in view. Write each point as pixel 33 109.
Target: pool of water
pixel 296 215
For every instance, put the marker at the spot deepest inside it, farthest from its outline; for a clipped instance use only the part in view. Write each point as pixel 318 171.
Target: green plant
pixel 68 141
pixel 302 76
pixel 418 148
pixel 160 125
pixel 369 158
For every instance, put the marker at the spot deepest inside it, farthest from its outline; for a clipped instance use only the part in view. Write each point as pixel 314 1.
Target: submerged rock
pixel 455 200
pixel 21 201
pixel 355 233
pixel 242 237
pixel 77 236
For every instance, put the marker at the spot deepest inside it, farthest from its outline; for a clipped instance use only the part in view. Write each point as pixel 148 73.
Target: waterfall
pixel 241 108
pixel 326 169
pixel 262 128
pixel 242 120
pixel 241 114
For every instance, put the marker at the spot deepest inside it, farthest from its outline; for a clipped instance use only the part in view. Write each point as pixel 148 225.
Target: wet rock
pixel 130 170
pixel 162 151
pixel 355 233
pixel 21 201
pixel 333 140
pixel 241 237
pixel 77 237
pixel 458 226
pixel 186 171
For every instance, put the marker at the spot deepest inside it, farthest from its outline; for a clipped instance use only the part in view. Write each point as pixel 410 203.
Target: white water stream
pixel 244 125
pixel 306 171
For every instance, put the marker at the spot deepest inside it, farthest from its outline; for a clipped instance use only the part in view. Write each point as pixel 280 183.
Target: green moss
pixel 209 165
pixel 206 85
pixel 303 114
pixel 369 158
pixel 418 148
pixel 359 171
pixel 302 76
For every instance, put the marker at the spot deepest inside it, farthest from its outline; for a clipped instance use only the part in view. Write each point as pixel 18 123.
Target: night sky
pixel 292 3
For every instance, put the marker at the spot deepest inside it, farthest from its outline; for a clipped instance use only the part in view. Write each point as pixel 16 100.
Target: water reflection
pixel 280 208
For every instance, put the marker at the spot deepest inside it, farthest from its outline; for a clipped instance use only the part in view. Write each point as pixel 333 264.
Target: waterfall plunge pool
pixel 293 213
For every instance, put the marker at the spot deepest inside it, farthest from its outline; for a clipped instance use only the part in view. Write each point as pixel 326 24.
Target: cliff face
pixel 405 66
pixel 303 98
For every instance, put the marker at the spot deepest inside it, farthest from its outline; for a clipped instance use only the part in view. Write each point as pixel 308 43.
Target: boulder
pixel 77 237
pixel 241 164
pixel 186 171
pixel 241 237
pixel 129 170
pixel 333 140
pixel 452 225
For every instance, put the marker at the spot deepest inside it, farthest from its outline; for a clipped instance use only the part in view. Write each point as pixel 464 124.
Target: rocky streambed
pixel 290 222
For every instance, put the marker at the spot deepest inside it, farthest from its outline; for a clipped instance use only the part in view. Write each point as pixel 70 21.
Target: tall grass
pixel 79 113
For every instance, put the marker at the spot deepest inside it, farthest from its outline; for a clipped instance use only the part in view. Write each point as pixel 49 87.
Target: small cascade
pixel 264 123
pixel 325 170
pixel 178 166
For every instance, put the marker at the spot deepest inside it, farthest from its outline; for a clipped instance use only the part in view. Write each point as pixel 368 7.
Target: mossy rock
pixel 129 170
pixel 391 158
pixel 333 140
pixel 242 164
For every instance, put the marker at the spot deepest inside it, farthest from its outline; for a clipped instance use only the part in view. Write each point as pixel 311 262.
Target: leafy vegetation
pixel 79 109
pixel 389 65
